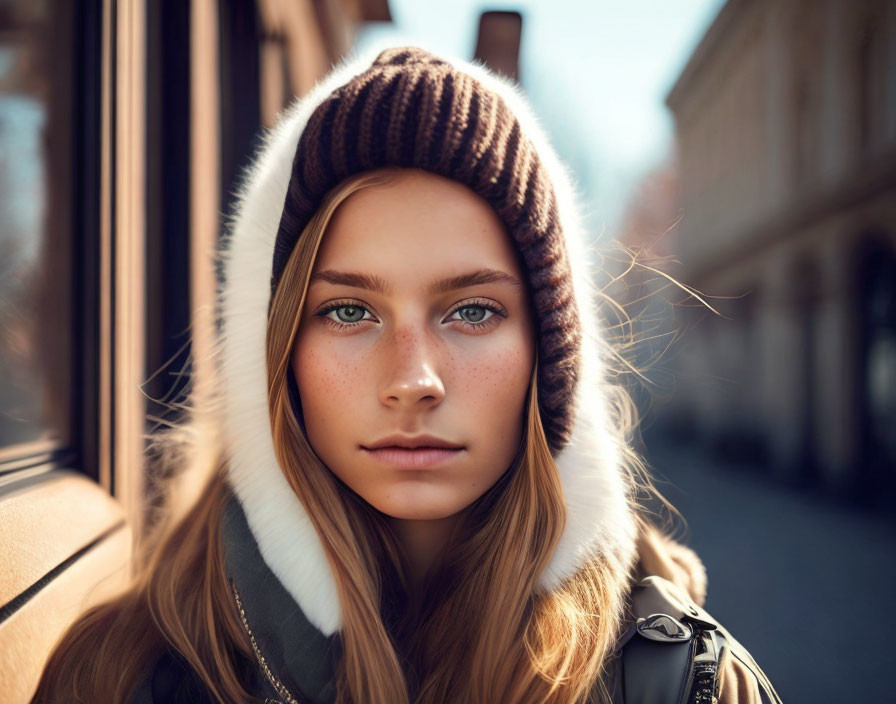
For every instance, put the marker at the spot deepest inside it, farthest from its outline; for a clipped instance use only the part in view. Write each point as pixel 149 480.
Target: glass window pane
pixel 35 261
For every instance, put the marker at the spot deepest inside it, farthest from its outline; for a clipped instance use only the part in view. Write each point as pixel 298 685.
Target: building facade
pixel 785 121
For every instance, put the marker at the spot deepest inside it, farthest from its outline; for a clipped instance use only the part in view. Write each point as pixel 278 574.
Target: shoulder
pixel 741 680
pixel 673 650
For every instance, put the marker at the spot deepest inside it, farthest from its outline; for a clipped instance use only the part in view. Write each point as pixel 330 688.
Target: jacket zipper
pixel 278 686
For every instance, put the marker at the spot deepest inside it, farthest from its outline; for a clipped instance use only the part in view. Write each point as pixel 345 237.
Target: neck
pixel 423 541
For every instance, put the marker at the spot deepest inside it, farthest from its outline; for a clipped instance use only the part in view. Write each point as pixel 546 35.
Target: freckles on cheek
pixel 496 378
pixel 329 371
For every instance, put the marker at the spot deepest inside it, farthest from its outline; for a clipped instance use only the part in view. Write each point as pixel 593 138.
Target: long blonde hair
pixel 486 632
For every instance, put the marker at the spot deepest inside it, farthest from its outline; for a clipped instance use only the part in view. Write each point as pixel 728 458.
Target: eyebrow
pixel 378 285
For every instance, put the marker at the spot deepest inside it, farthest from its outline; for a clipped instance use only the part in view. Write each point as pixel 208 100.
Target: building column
pixel 837 347
pixel 778 342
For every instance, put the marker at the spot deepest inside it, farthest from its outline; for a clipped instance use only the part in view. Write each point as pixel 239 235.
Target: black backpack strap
pixel 674 650
pixel 654 672
pixel 671 654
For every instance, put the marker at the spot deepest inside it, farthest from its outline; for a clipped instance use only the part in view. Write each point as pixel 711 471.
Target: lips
pixel 413 458
pixel 413 442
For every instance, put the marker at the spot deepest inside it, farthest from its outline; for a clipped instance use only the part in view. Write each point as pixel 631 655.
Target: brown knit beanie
pixel 412 109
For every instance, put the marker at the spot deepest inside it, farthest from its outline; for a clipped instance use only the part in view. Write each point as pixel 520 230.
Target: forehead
pixel 418 225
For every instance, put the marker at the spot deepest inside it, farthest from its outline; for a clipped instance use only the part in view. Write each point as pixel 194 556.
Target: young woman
pixel 425 491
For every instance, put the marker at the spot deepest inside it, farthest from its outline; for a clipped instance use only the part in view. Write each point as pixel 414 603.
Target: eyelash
pixel 490 322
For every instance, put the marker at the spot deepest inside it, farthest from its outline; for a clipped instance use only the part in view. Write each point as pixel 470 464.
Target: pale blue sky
pixel 596 72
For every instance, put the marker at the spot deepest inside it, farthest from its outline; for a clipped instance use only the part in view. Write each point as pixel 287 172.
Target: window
pixel 46 172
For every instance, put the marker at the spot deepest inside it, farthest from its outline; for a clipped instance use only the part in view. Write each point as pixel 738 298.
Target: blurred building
pixel 786 144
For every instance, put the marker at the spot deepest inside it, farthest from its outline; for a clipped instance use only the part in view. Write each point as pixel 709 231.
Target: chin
pixel 419 514
pixel 411 506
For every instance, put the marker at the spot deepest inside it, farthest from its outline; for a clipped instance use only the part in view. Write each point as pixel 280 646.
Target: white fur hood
pixel 599 521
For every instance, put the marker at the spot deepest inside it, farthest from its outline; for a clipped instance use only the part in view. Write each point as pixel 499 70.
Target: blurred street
pixel 804 584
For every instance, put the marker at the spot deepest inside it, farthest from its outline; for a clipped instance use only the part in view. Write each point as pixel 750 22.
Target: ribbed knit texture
pixel 413 109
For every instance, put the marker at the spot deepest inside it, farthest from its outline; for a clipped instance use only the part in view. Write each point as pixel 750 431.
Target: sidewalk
pixel 806 586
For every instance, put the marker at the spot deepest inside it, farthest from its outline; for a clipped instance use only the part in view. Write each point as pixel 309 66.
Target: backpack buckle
pixel 664 628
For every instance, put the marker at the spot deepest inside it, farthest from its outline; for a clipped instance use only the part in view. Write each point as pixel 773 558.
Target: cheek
pixel 494 387
pixel 326 377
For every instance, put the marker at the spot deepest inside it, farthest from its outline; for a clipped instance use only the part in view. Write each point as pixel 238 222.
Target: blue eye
pixel 481 316
pixel 354 313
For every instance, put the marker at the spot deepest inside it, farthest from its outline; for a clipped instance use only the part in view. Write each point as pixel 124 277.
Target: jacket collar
pixel 295 658
pixel 599 522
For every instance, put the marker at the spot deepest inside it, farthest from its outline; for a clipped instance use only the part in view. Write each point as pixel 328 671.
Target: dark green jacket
pixel 295 662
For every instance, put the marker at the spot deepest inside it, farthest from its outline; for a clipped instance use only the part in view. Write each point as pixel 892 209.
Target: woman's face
pixel 416 323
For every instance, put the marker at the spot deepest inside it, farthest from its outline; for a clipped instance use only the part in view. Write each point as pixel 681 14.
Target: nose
pixel 411 379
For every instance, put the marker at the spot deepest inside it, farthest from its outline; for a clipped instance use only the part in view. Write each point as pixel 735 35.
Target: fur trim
pixel 599 521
